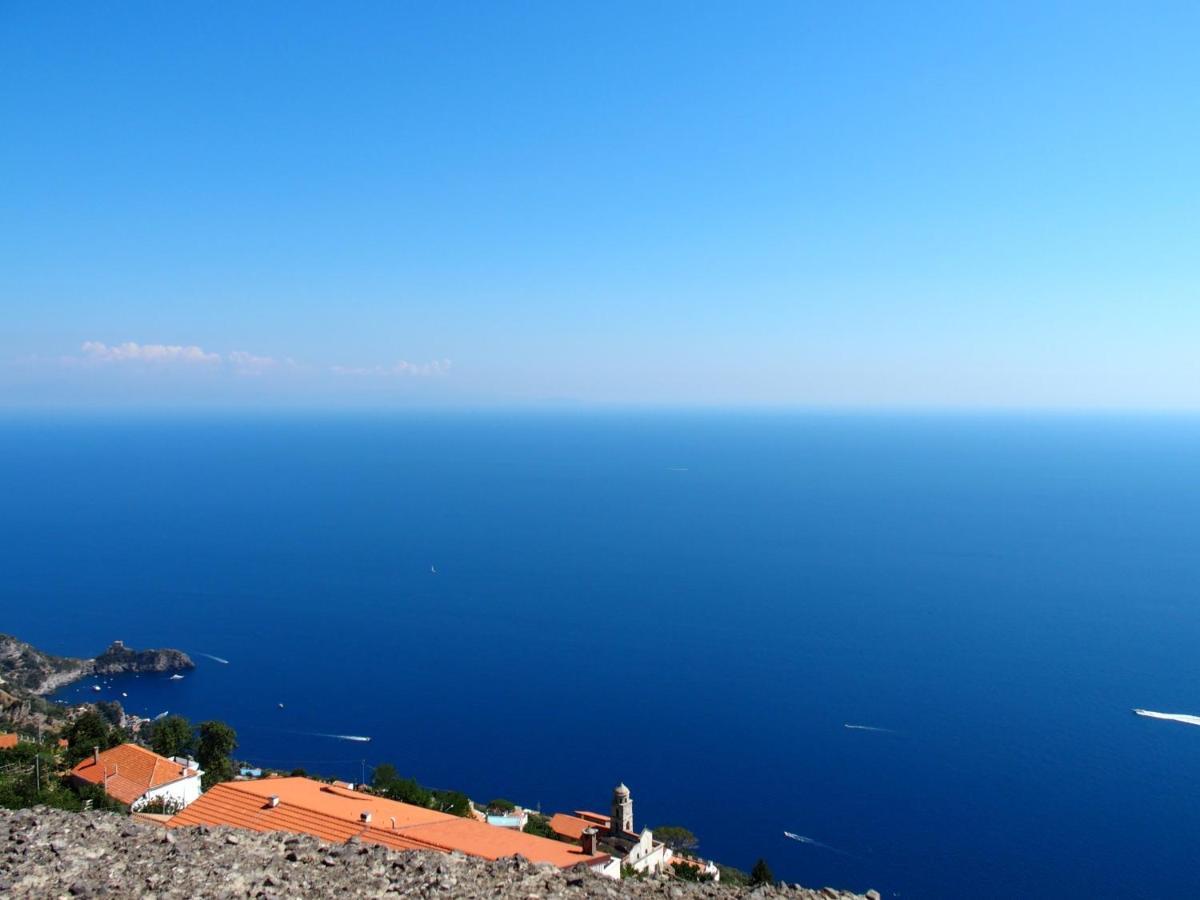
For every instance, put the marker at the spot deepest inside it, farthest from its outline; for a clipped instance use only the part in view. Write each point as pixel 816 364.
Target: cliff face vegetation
pixel 29 672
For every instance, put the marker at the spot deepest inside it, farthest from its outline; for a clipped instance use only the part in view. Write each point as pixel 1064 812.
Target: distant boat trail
pixel 342 737
pixel 1170 717
pixel 814 843
pixel 223 662
pixel 869 728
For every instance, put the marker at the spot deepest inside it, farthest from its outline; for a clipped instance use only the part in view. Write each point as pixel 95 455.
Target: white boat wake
pixel 869 728
pixel 814 843
pixel 1170 717
pixel 223 662
pixel 340 737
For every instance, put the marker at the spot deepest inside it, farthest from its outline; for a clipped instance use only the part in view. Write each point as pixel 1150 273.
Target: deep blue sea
pixel 695 604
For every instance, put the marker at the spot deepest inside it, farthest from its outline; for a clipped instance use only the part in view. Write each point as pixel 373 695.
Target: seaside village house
pixel 136 777
pixel 335 813
pixel 614 835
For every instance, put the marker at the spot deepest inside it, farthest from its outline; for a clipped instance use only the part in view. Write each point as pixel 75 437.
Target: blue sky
pixel 797 204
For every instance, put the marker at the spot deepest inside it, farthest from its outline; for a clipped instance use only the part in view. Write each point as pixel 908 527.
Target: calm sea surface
pixel 695 604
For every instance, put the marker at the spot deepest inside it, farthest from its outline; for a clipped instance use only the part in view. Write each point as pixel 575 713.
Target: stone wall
pixel 50 853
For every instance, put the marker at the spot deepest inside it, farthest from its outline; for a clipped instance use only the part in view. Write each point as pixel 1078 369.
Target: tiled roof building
pixel 133 774
pixel 334 813
pixel 615 835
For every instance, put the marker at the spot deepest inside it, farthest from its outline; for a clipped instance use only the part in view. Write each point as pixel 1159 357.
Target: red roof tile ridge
pixel 287 803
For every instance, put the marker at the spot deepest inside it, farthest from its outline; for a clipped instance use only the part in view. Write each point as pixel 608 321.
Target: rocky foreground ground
pixel 49 853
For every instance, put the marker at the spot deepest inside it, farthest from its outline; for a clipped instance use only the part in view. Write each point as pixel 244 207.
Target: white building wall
pixel 183 792
pixel 647 856
pixel 610 869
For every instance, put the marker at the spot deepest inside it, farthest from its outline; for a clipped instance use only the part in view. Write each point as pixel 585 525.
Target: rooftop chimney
pixel 588 840
pixel 273 801
pixel 366 817
pixel 95 756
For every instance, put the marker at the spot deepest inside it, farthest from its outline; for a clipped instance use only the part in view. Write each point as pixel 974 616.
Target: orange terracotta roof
pixel 336 814
pixel 127 771
pixel 595 818
pixel 570 827
pixel 7 741
pixel 488 841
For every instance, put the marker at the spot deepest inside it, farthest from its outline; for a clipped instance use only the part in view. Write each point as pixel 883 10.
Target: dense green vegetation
pixel 170 736
pixel 761 873
pixel 500 806
pixel 539 825
pixel 214 746
pixel 89 730
pixel 212 743
pixel 676 837
pixel 387 783
pixel 685 872
pixel 111 712
pixel 32 774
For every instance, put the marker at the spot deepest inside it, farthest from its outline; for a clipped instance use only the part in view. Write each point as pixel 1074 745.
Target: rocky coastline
pixel 29 672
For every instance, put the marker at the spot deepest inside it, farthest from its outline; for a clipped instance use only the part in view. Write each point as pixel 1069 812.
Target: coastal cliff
pixel 119 659
pixel 29 672
pixel 51 853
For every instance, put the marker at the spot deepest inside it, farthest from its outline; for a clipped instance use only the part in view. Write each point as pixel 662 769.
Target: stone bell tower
pixel 622 811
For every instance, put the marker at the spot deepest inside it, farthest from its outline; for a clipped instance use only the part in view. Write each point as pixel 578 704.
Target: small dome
pixel 621 790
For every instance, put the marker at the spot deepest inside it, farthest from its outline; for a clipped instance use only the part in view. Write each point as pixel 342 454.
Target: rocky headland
pixel 27 673
pixel 50 853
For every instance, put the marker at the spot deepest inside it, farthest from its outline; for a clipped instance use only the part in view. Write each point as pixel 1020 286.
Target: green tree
pixel 88 731
pixel 406 790
pixel 687 872
pixel 172 736
pixel 111 711
pixel 217 741
pixel 384 774
pixel 761 873
pixel 539 825
pixel 454 802
pixel 27 779
pixel 501 805
pixel 676 837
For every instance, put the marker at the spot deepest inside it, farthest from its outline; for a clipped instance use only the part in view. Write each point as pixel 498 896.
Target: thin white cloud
pixel 99 352
pixel 143 357
pixel 249 364
pixel 401 368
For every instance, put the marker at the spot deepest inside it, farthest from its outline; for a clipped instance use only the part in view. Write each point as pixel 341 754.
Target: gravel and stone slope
pixel 49 853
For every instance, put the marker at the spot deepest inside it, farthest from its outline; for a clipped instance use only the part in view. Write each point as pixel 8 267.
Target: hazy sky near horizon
pixel 860 204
